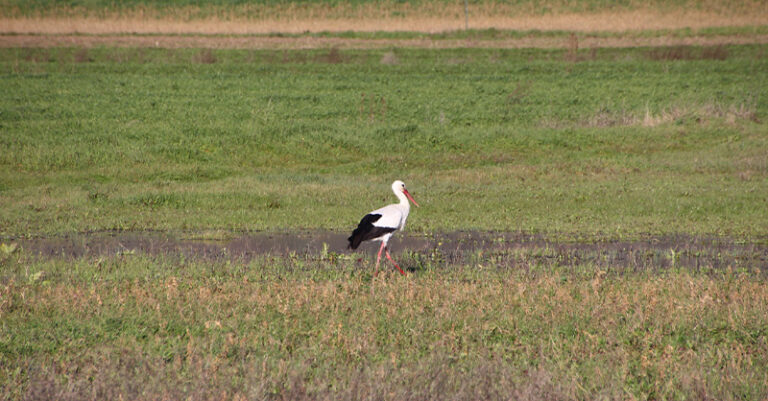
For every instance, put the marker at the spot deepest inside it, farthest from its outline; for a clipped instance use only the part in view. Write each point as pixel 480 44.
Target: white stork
pixel 381 224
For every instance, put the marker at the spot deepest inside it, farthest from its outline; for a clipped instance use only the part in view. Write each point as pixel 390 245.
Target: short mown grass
pixel 138 327
pixel 608 141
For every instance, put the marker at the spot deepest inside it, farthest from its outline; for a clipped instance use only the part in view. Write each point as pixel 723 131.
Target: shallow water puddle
pixel 502 249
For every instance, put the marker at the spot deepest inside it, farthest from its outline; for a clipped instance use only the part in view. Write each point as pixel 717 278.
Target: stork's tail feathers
pixel 355 239
pixel 359 234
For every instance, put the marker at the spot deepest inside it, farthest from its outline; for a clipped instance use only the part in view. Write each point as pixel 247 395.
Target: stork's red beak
pixel 405 191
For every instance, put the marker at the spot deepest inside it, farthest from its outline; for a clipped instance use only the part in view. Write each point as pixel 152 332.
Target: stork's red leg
pixel 378 258
pixel 393 262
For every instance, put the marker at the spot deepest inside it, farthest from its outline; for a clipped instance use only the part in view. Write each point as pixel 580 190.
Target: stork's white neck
pixel 403 199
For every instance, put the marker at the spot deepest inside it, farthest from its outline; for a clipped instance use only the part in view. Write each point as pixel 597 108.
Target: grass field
pixel 134 327
pixel 595 141
pixel 586 142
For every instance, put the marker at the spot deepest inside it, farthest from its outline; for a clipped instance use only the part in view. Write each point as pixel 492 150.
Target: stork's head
pixel 398 187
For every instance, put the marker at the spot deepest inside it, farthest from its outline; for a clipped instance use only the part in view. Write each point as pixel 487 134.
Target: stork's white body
pixel 381 224
pixel 394 216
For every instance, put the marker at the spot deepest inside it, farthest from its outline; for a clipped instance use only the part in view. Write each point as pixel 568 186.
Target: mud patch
pixel 496 249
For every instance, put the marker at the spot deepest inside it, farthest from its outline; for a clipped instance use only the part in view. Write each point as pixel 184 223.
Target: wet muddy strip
pixel 501 249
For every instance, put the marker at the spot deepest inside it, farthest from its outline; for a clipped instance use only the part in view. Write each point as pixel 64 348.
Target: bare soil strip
pixel 507 249
pixel 256 42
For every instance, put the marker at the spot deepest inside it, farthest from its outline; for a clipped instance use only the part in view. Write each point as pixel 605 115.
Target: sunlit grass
pixel 588 143
pixel 140 327
pixel 620 141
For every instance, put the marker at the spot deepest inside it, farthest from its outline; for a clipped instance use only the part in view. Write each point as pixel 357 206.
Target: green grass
pixel 250 8
pixel 136 327
pixel 610 141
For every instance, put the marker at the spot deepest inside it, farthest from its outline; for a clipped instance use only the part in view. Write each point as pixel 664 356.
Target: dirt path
pixel 258 42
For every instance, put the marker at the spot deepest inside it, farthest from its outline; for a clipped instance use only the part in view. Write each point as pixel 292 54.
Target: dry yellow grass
pixel 297 20
pixel 325 333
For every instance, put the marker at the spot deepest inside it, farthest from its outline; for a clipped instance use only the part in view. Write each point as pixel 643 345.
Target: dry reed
pixel 430 17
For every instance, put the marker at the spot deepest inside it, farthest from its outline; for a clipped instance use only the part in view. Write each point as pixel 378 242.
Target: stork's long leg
pixel 393 262
pixel 378 258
